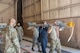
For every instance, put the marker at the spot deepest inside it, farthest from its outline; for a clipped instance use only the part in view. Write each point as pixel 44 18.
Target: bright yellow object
pixel 70 24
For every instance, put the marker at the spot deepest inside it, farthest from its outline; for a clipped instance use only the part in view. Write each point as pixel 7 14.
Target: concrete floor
pixel 26 45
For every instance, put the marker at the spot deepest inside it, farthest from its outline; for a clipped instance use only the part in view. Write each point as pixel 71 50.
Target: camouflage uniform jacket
pixel 11 44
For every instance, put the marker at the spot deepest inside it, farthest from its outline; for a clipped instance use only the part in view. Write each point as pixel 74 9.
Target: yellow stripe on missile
pixel 70 24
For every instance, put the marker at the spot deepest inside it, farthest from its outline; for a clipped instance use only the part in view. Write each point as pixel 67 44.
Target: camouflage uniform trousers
pixel 55 44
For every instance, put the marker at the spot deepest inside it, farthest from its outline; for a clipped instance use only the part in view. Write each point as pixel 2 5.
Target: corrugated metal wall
pixel 60 9
pixel 32 10
pixel 50 10
pixel 7 10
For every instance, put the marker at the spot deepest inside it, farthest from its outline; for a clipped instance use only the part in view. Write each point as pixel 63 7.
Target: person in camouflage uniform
pixel 11 44
pixel 35 37
pixel 54 39
pixel 20 32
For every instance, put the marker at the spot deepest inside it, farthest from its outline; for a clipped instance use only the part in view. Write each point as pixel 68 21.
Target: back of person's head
pixel 12 21
pixel 18 24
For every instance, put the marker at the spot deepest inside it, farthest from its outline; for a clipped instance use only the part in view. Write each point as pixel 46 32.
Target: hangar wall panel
pixel 54 14
pixel 75 11
pixel 63 13
pixel 63 2
pixel 53 4
pixel 75 1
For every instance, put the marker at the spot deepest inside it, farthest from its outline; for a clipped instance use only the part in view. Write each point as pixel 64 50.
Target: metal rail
pixel 75 17
pixel 32 16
